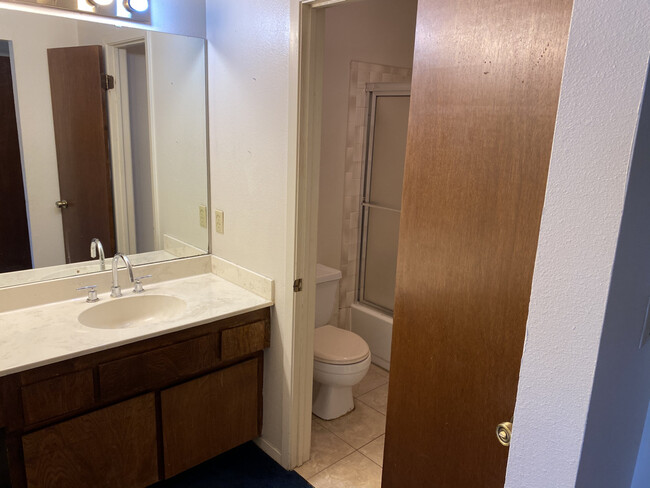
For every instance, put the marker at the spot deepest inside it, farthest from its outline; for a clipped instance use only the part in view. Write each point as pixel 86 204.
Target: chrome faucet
pixel 95 247
pixel 115 288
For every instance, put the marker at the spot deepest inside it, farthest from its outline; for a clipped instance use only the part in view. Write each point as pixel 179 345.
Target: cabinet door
pixel 209 415
pixel 114 446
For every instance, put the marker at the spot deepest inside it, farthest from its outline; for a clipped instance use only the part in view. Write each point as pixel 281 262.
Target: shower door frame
pixel 373 91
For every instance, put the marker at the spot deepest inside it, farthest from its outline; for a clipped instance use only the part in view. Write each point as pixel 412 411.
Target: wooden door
pixel 81 133
pixel 485 89
pixel 15 250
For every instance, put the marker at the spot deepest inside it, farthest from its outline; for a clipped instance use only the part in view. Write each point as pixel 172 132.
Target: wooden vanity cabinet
pixel 135 414
pixel 225 414
pixel 113 446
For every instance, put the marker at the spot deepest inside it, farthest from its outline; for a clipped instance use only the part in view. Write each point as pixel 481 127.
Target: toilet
pixel 341 357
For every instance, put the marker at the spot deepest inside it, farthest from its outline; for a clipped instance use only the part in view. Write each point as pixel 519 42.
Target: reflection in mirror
pixel 102 136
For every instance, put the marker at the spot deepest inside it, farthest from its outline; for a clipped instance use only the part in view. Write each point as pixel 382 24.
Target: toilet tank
pixel 327 281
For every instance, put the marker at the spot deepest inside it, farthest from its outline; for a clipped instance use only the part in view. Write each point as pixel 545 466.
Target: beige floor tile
pixel 375 450
pixel 357 428
pixel 326 449
pixel 353 471
pixel 375 378
pixel 377 398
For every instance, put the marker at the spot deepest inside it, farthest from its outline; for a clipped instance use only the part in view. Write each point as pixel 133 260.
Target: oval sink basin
pixel 119 313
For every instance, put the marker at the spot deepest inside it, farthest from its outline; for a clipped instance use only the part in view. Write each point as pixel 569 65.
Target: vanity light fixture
pixel 136 5
pixel 128 10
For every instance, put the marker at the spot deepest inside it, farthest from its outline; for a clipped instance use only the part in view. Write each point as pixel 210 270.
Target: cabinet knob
pixel 62 203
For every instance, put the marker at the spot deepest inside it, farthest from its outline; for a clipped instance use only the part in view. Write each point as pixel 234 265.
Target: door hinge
pixel 297 285
pixel 108 82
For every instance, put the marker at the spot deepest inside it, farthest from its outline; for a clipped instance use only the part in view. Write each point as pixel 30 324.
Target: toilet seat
pixel 338 346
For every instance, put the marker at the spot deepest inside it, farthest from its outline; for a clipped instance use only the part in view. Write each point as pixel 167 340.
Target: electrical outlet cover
pixel 218 221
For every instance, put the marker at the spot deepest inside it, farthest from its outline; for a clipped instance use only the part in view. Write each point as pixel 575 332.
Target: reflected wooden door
pixel 485 88
pixel 15 250
pixel 81 133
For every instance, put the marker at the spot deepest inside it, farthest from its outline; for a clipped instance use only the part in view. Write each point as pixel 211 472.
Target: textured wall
pixel 621 389
pixel 601 92
pixel 248 60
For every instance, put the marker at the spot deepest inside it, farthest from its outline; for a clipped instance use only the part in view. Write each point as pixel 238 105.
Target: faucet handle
pixel 92 293
pixel 138 283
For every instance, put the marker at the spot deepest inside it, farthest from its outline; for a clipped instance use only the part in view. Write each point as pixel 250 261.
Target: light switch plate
pixel 203 216
pixel 218 221
pixel 646 327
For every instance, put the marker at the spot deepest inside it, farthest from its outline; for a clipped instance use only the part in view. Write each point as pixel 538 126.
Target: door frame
pixel 120 140
pixel 303 210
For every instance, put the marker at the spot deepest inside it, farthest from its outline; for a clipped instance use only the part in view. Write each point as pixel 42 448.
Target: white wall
pixel 184 17
pixel 621 390
pixel 31 36
pixel 94 33
pixel 178 131
pixel 601 91
pixel 248 59
pixel 373 31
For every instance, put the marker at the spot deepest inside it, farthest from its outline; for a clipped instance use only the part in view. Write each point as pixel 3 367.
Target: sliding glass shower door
pixel 382 193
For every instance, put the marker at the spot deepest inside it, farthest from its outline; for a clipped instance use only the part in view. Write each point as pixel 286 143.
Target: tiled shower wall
pixel 360 75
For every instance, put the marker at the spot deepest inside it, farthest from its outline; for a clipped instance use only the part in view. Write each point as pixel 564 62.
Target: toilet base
pixel 331 402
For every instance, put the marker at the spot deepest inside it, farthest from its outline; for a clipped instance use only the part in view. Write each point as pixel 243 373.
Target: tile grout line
pixel 335 462
pixel 343 459
pixel 380 467
pixel 372 440
pixel 371 407
pixel 371 390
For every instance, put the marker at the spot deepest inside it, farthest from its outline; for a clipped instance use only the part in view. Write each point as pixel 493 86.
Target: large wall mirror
pixel 103 135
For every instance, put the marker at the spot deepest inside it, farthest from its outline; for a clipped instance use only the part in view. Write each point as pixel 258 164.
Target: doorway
pixel 366 50
pixel 134 186
pixel 473 247
pixel 15 246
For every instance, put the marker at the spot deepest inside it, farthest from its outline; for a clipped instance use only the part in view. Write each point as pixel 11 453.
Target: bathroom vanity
pixel 129 407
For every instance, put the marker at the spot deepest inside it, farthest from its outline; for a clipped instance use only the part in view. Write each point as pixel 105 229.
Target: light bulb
pixel 136 5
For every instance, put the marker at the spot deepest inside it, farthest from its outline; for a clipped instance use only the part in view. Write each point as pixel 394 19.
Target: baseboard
pixel 269 449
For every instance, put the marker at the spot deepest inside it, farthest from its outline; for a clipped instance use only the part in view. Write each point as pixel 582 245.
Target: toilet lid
pixel 337 346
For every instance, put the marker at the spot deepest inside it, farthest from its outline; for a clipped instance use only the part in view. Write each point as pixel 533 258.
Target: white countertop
pixel 45 334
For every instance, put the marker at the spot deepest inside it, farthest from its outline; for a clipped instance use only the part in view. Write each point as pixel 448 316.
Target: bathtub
pixel 376 329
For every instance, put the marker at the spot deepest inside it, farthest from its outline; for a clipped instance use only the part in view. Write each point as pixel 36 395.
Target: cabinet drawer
pixel 114 446
pixel 243 340
pixel 209 415
pixel 157 368
pixel 57 396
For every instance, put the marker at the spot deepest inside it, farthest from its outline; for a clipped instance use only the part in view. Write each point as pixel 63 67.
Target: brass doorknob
pixel 504 433
pixel 62 204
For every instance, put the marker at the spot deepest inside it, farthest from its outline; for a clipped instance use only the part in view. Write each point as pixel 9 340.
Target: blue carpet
pixel 246 466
